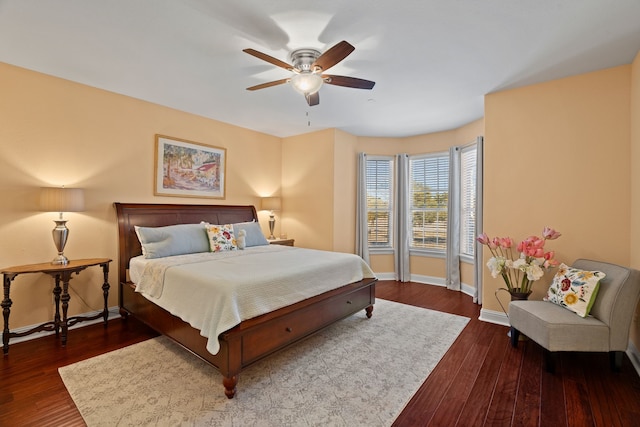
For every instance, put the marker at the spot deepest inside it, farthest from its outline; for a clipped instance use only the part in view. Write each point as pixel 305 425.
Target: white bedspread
pixel 214 292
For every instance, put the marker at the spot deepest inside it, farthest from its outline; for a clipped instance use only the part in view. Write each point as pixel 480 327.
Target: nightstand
pixel 62 275
pixel 284 242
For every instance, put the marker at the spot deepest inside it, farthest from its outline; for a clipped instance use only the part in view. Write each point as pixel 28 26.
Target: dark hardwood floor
pixel 481 381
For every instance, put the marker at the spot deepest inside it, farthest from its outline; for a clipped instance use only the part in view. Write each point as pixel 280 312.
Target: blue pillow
pixel 159 242
pixel 254 236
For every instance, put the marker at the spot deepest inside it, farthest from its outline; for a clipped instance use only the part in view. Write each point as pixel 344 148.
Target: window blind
pixel 379 201
pixel 468 200
pixel 429 193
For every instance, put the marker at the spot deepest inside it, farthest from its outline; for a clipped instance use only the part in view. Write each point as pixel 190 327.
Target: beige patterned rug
pixel 358 372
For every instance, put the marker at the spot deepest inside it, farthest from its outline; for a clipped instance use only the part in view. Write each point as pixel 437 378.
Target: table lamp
pixel 61 199
pixel 271 204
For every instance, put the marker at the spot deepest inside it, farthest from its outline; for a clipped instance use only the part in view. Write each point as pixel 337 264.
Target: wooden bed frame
pixel 252 339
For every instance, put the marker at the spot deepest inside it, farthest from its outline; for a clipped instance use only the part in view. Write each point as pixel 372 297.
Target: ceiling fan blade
pixel 313 99
pixel 268 84
pixel 348 81
pixel 269 59
pixel 332 56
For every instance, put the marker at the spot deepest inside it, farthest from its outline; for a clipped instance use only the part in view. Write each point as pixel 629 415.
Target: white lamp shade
pixel 61 199
pixel 271 203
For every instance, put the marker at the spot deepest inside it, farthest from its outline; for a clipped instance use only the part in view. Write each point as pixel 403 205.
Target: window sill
pixel 381 251
pixel 467 259
pixel 425 253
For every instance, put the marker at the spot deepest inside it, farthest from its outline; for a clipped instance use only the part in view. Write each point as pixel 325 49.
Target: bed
pixel 250 340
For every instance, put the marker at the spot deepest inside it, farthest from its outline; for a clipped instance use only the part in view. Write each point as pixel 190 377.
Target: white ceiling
pixel 432 60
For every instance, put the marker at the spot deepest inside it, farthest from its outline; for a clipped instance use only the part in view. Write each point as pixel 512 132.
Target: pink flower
pixel 483 239
pixel 506 242
pixel 520 269
pixel 550 234
pixel 494 243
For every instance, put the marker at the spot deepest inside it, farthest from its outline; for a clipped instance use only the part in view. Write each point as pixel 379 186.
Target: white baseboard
pixel 492 316
pixel 114 313
pixel 386 276
pixel 428 280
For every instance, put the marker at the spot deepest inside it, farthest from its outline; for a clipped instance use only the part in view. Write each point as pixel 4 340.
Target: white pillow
pixel 180 239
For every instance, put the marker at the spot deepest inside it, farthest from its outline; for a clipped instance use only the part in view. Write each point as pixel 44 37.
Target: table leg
pixel 65 297
pixel 105 292
pixel 6 311
pixel 56 297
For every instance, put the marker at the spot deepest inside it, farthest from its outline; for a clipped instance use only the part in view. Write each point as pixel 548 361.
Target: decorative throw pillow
pixel 180 239
pixel 574 289
pixel 254 236
pixel 221 238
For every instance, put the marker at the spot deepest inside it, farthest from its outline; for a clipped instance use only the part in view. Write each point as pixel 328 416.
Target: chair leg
pixel 549 361
pixel 514 334
pixel 615 359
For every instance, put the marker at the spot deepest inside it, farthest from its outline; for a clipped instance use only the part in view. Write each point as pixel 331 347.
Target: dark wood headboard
pixel 158 215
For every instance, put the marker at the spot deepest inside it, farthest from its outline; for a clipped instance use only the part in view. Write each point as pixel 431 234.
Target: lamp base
pixel 60 234
pixel 60 260
pixel 272 224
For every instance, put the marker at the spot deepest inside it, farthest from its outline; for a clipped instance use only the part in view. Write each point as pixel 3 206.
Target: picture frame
pixel 186 168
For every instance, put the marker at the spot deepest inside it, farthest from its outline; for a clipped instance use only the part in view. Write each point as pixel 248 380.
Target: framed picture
pixel 189 169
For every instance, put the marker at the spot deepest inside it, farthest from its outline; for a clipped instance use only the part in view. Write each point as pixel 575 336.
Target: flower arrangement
pixel 521 268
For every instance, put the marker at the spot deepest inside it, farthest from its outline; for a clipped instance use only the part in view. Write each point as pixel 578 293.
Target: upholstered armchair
pixel 605 329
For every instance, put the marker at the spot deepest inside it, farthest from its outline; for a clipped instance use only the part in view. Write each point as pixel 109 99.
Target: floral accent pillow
pixel 574 289
pixel 221 238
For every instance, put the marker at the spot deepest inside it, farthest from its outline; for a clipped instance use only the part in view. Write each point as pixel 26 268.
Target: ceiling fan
pixel 308 68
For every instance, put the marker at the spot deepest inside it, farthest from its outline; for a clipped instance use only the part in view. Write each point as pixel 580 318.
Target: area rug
pixel 357 372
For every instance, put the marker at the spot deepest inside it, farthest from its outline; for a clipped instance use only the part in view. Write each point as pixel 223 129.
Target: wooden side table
pixel 61 273
pixel 284 242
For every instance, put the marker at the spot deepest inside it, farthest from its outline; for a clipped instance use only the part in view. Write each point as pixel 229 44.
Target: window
pixel 379 201
pixel 468 158
pixel 429 194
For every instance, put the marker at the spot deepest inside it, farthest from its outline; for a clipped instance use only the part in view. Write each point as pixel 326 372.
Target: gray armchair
pixel 606 329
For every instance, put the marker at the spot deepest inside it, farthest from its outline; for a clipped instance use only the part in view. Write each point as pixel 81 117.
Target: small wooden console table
pixel 61 273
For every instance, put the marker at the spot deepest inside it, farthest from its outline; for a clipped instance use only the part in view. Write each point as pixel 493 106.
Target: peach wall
pixel 635 184
pixel 56 132
pixel 557 154
pixel 308 189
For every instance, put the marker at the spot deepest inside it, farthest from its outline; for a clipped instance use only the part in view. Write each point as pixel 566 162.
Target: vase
pixel 516 295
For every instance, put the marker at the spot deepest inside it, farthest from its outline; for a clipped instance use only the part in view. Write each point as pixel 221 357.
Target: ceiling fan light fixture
pixel 308 66
pixel 306 83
